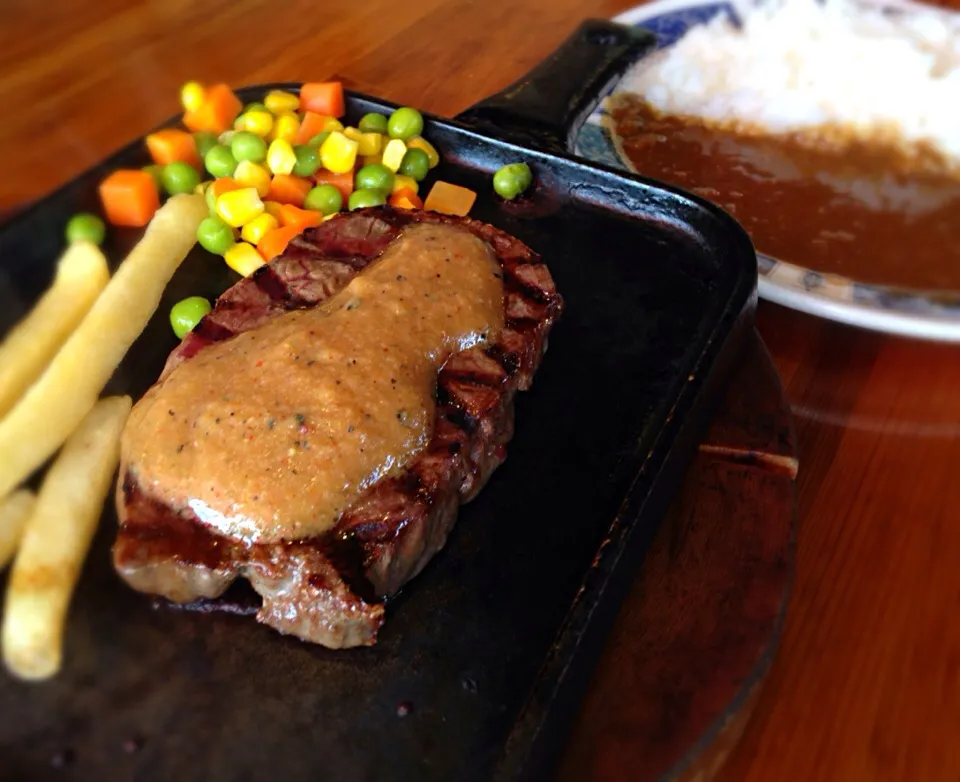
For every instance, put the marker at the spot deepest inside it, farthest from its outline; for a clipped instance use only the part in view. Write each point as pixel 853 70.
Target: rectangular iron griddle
pixel 479 667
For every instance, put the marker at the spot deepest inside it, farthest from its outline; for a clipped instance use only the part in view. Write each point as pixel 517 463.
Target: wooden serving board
pixel 671 701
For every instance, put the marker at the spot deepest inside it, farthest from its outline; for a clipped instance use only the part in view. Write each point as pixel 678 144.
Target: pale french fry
pixel 56 539
pixel 81 274
pixel 14 512
pixel 56 403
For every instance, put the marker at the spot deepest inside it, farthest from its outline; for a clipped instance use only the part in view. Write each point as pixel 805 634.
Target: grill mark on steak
pixel 271 284
pixel 171 535
pixel 330 589
pixel 210 331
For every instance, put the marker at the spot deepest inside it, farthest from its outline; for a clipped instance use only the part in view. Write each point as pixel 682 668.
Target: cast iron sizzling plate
pixel 479 666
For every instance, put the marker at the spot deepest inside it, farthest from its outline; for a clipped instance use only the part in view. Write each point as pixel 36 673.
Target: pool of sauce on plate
pixel 270 435
pixel 863 212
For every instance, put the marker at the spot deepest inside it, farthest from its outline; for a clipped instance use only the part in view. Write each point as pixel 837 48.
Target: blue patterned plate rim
pixel 922 314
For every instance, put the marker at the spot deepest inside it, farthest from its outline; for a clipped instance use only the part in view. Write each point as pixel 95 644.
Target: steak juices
pixel 316 433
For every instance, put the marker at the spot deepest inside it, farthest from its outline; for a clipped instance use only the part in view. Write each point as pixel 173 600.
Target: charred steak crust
pixel 329 590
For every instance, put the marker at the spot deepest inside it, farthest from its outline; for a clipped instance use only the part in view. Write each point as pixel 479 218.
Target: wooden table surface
pixel 867 682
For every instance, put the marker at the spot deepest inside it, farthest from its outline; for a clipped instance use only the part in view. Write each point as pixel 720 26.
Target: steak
pixel 331 589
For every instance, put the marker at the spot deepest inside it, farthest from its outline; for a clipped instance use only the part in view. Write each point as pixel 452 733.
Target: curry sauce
pixel 270 435
pixel 861 211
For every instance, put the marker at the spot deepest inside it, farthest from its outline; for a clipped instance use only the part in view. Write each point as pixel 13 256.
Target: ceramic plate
pixel 933 315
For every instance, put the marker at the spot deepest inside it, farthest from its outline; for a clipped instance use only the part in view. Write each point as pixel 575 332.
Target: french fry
pixel 14 512
pixel 81 274
pixel 56 539
pixel 56 403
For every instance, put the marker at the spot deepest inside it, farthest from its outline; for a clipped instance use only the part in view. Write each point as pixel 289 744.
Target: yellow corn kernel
pixel 279 101
pixel 243 258
pixel 259 122
pixel 419 142
pixel 254 230
pixel 239 207
pixel 280 157
pixel 353 134
pixel 192 95
pixel 393 154
pixel 331 124
pixel 201 188
pixel 272 208
pixel 366 160
pixel 286 126
pixel 370 143
pixel 330 216
pixel 250 174
pixel 338 153
pixel 401 181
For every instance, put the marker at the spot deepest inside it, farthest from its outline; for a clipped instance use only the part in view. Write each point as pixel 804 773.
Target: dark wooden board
pixel 669 700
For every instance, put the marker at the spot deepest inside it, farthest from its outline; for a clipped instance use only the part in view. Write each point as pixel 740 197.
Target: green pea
pixel 186 314
pixel 405 123
pixel 360 199
pixel 210 199
pixel 204 141
pixel 248 146
pixel 85 227
pixel 317 140
pixel 373 123
pixel 255 106
pixel 324 198
pixel 180 177
pixel 157 173
pixel 219 161
pixel 308 159
pixel 415 163
pixel 214 235
pixel 374 176
pixel 511 180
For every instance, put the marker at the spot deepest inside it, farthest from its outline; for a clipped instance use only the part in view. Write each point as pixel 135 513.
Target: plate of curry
pixel 862 235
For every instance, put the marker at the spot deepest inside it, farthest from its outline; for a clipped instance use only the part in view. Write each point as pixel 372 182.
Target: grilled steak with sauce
pixel 329 588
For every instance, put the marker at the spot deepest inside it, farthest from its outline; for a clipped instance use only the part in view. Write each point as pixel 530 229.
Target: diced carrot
pixel 343 182
pixel 223 185
pixel 311 124
pixel 129 197
pixel 173 145
pixel 216 114
pixel 405 198
pixel 275 242
pixel 289 189
pixel 402 202
pixel 450 199
pixel 323 98
pixel 294 215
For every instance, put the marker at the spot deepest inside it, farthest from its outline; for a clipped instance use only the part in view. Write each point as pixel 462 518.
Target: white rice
pixel 799 66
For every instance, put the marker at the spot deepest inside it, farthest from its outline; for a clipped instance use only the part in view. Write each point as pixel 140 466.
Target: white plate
pixel 933 315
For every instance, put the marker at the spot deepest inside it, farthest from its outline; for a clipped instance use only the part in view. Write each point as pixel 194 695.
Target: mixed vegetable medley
pixel 271 169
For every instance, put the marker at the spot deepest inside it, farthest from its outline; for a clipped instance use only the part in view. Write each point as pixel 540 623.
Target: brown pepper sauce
pixel 862 211
pixel 270 435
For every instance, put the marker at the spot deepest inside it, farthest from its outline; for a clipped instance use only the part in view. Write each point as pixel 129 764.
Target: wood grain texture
pixel 692 645
pixel 866 683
